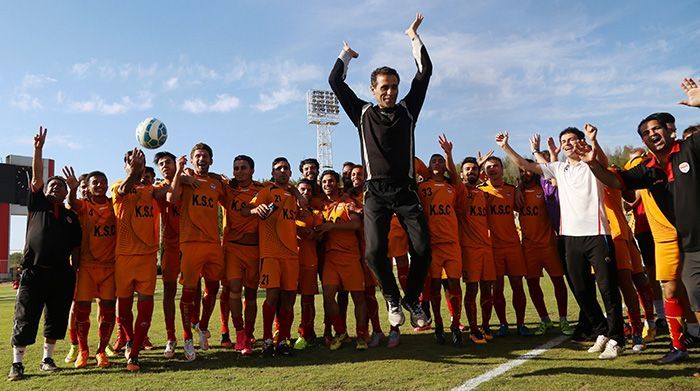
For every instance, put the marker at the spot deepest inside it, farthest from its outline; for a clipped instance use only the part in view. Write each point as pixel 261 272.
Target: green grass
pixel 418 363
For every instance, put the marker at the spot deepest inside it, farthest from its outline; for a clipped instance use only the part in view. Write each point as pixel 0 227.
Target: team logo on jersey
pixel 539 194
pixel 69 220
pixel 213 186
pixel 684 167
pixel 508 194
pixel 449 191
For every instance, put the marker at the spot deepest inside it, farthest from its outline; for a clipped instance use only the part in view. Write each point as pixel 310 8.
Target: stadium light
pixel 322 110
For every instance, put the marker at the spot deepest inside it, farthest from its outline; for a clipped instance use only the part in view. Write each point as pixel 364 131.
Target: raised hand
pixel 445 144
pixel 693 91
pixel 351 52
pixel 412 30
pixel 181 163
pixel 535 142
pixel 591 132
pixel 71 180
pixel 554 149
pixel 585 151
pixel 40 138
pixel 502 139
pixel 481 159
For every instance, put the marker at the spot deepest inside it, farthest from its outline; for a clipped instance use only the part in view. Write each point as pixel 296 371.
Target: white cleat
pixel 396 316
pixel 600 344
pixel 169 351
pixel 203 339
pixel 190 353
pixel 612 350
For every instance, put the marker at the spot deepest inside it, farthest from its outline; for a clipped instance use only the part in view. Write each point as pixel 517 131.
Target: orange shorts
pixel 668 260
pixel 477 264
pixel 280 273
pixel 95 282
pixel 370 279
pixel 200 259
pixel 242 263
pixel 343 271
pixel 509 261
pixel 136 273
pixel 538 258
pixel 447 256
pixel 636 256
pixel 398 242
pixel 622 254
pixel 170 263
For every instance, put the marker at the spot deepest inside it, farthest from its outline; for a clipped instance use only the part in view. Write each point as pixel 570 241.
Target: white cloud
pixel 54 139
pixel 97 104
pixel 278 98
pixel 222 104
pixel 35 81
pixel 25 102
pixel 171 83
pixel 81 69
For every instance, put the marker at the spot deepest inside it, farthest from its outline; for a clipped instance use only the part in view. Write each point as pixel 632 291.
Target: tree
pixel 619 155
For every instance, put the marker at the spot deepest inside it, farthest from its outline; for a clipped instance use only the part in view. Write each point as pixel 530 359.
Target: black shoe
pixel 456 336
pixel 439 334
pixel 690 340
pixel 418 318
pixel 674 356
pixel 268 349
pixel 661 326
pixel 47 365
pixel 284 349
pixel 16 372
pixel 581 338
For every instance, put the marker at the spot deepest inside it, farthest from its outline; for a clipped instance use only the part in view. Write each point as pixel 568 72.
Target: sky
pixel 234 74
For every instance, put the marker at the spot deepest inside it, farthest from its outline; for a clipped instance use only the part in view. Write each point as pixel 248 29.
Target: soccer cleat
pixel 418 317
pixel 247 350
pixel 300 344
pixel 424 328
pixel 502 331
pixel 543 327
pixel 649 334
pixel 612 350
pixel 241 339
pixel 16 372
pixel 132 365
pixel 102 360
pixel 47 365
pixel 439 334
pixel 203 339
pixel 523 331
pixel 284 349
pixel 72 354
pixel 119 345
pixel 338 341
pixel 638 343
pixel 565 328
pixel 268 348
pixel 169 351
pixel 376 339
pixel 127 350
pixel 361 344
pixel 226 341
pixel 396 316
pixel 477 337
pixel 674 356
pixel 147 345
pixel 599 345
pixel 110 352
pixel 82 360
pixel 486 331
pixel 190 353
pixel 394 337
pixel 456 335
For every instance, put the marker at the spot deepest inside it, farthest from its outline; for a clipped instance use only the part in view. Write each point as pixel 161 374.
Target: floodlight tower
pixel 322 110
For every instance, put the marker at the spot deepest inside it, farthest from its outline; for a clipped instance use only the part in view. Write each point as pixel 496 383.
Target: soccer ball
pixel 151 133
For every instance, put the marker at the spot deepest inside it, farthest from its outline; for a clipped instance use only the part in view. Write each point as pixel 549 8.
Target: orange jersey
pixel 277 234
pixel 534 220
pixel 340 241
pixel 422 171
pixel 474 222
pixel 616 217
pixel 170 219
pixel 137 216
pixel 235 224
pixel 501 217
pixel 440 200
pixel 99 226
pixel 307 247
pixel 199 210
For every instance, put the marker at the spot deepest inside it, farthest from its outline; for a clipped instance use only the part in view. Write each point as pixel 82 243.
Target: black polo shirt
pixel 52 232
pixel 675 187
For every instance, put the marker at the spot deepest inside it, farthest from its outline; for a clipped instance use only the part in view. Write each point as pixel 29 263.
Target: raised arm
pixel 554 149
pixel 692 90
pixel 592 135
pixel 346 96
pixel 502 141
pixel 535 148
pixel 135 162
pixel 588 155
pixel 173 194
pixel 73 184
pixel 37 162
pixel 419 86
pixel 446 146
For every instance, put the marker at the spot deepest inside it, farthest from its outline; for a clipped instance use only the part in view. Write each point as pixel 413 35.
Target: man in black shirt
pixel 48 279
pixel 387 141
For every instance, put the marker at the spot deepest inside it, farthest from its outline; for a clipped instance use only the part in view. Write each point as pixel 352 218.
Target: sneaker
pixel 418 318
pixel 456 335
pixel 241 339
pixel 661 326
pixel 394 336
pixel 196 328
pixel 127 350
pixel 72 354
pixel 612 350
pixel 477 337
pixel 47 365
pixel 674 356
pixel 565 327
pixel 82 360
pixel 300 344
pixel 110 352
pixel 638 343
pixel 203 339
pixel 190 353
pixel 523 331
pixel 338 341
pixel 102 360
pixel 119 345
pixel 284 349
pixel 147 345
pixel 376 339
pixel 486 331
pixel 268 348
pixel 132 365
pixel 169 351
pixel 543 327
pixel 226 340
pixel 502 331
pixel 396 316
pixel 600 344
pixel 439 334
pixel 16 372
pixel 247 350
pixel 649 334
pixel 361 344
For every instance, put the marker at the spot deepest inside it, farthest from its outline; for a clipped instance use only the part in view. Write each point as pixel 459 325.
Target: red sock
pixel 211 288
pixel 635 319
pixel 343 298
pixel 361 331
pixel 499 304
pixel 224 310
pixel 237 323
pixel 674 316
pixel 519 303
pixel 327 325
pixel 448 301
pixel 486 303
pixel 435 299
pixel 308 312
pixel 268 318
pixel 143 323
pixel 196 310
pixel 562 296
pixel 537 297
pixel 107 318
pixel 186 309
pixel 286 321
pixel 455 302
pixel 338 324
pixel 646 297
pixel 73 334
pixel 249 323
pixel 82 324
pixel 249 328
pixel 126 318
pixel 373 308
pixel 170 328
pixel 402 271
pixel 470 306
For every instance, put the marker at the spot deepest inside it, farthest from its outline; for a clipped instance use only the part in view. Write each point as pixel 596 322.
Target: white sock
pixel 693 329
pixel 48 349
pixel 660 309
pixel 17 354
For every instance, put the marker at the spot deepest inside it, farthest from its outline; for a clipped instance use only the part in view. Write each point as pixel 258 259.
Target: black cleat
pixel 456 335
pixel 439 334
pixel 268 348
pixel 283 349
pixel 16 372
pixel 48 365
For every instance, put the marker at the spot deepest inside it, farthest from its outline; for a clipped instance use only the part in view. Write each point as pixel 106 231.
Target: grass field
pixel 418 363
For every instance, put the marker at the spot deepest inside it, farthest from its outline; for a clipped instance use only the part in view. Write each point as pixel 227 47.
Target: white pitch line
pixel 503 368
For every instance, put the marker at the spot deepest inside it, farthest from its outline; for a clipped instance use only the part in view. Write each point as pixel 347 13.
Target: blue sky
pixel 234 74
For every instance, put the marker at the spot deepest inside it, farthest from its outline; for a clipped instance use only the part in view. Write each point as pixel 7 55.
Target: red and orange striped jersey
pixel 439 200
pixel 199 210
pixel 137 218
pixel 474 222
pixel 235 224
pixel 99 226
pixel 501 216
pixel 340 241
pixel 277 233
pixel 534 220
pixel 170 219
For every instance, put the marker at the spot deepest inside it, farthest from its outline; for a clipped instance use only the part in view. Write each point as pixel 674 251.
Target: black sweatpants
pixel 691 277
pixel 42 290
pixel 582 253
pixel 645 241
pixel 383 199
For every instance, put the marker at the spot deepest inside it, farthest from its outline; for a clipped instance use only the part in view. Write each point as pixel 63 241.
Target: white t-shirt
pixel 580 199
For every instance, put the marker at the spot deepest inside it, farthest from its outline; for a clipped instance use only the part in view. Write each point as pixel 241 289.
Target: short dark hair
pixel 692 129
pixel 305 182
pixel 245 158
pixel 82 177
pixel 163 154
pixel 358 166
pixel 279 159
pixel 204 147
pixel 332 173
pixel 383 71
pixel 95 173
pixel 652 117
pixel 436 155
pixel 57 178
pixel 349 163
pixel 309 161
pixel 572 130
pixel 667 118
pixel 150 169
pixel 495 159
pixel 469 159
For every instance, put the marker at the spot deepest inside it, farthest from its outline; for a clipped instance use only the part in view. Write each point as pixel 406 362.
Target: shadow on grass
pixel 661 373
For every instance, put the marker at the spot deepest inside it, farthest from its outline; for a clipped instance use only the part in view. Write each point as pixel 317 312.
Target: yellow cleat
pixel 649 334
pixel 361 344
pixel 72 354
pixel 82 359
pixel 102 360
pixel 338 341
